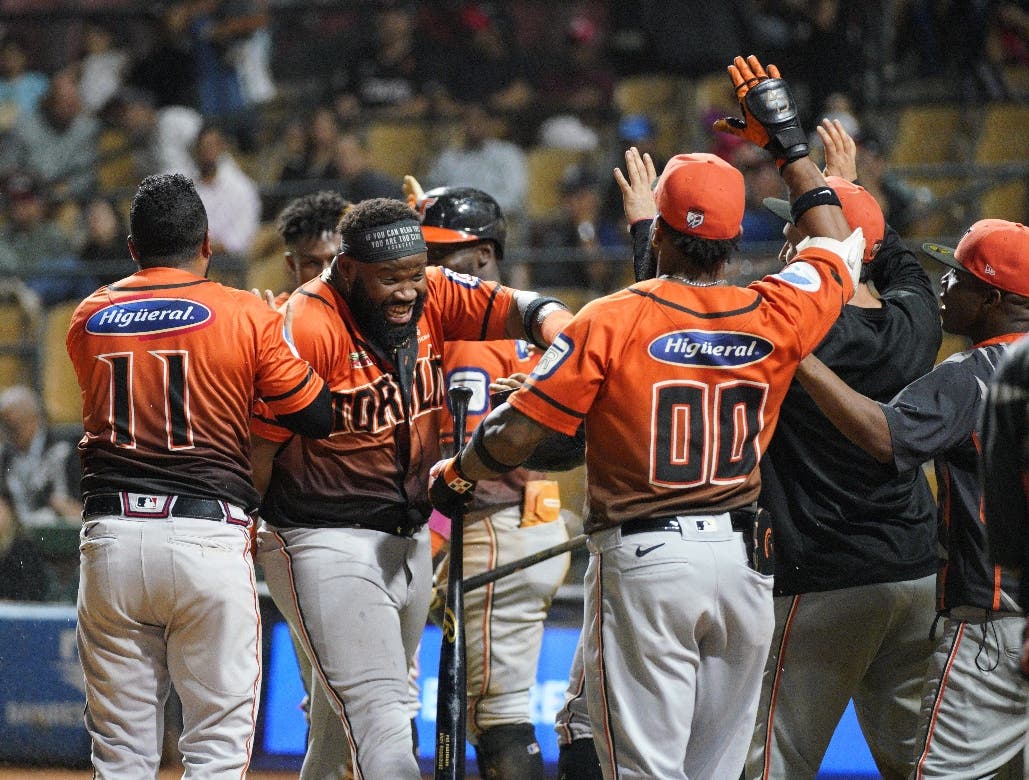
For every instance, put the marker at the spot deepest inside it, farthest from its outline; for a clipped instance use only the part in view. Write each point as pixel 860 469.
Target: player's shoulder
pixel 439 277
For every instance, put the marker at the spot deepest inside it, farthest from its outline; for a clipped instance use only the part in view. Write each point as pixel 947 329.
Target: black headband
pixel 385 242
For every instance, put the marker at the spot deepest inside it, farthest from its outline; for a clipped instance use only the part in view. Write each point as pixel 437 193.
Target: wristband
pixel 819 196
pixel 479 448
pixel 530 318
pixel 453 477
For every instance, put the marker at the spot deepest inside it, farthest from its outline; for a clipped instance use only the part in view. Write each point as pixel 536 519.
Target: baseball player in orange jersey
pixel 169 364
pixel 679 381
pixel 307 226
pixel 345 549
pixel 511 517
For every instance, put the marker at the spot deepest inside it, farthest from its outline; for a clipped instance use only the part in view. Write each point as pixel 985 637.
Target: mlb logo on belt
pixel 707 524
pixel 145 505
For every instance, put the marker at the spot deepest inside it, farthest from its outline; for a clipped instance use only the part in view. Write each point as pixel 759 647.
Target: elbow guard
pixel 851 250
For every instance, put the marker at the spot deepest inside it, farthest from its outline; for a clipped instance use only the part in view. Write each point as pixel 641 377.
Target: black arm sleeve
pixel 314 420
pixel 642 258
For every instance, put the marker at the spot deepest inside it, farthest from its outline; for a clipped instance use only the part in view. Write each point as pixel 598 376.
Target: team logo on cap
pixel 694 219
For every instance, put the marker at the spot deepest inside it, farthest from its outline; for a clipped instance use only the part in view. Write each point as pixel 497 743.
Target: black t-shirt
pixel 841 518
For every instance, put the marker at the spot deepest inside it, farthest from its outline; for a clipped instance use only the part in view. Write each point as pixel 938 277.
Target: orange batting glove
pixel 769 111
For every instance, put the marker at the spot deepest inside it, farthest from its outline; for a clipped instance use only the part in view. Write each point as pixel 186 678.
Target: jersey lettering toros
pixel 374 468
pixel 475 364
pixel 680 387
pixel 169 365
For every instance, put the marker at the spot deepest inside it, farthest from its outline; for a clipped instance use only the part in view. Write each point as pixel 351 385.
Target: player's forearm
pixel 508 438
pixel 803 176
pixel 262 455
pixel 858 417
pixel 536 318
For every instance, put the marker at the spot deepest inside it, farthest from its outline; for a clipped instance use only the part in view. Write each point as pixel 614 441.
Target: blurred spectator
pixel 57 143
pixel 358 180
pixel 574 230
pixel 826 58
pixel 762 180
pixel 34 249
pixel 229 195
pixel 40 471
pixel 105 253
pixel 838 106
pixel 23 574
pixel 637 130
pixel 250 54
pixel 20 89
pixel 317 158
pixel 714 34
pixel 902 204
pixel 392 70
pixel 481 159
pixel 167 67
pixel 576 75
pixel 484 65
pixel 160 139
pixel 101 68
pixel 950 40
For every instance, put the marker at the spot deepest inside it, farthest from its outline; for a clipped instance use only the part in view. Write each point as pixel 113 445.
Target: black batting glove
pixel 450 491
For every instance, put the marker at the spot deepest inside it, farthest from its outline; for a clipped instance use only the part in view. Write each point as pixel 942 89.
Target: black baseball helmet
pixel 454 215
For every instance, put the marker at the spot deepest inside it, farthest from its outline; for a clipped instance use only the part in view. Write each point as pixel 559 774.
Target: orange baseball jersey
pixel 169 365
pixel 374 468
pixel 680 387
pixel 475 364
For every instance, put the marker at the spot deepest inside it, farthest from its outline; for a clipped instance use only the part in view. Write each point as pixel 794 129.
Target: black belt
pixel 740 522
pixel 406 531
pixel 181 506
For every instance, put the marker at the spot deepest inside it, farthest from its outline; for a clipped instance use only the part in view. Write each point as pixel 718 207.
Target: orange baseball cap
pixel 701 195
pixel 860 210
pixel 994 250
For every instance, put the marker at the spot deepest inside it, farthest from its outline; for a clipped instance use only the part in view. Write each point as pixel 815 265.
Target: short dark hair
pixel 705 254
pixel 167 220
pixel 372 213
pixel 310 215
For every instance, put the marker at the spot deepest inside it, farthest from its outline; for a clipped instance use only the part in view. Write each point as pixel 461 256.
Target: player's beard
pixel 373 323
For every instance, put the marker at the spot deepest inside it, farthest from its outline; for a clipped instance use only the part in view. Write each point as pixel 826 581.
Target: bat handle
pixel 460 396
pixel 451 694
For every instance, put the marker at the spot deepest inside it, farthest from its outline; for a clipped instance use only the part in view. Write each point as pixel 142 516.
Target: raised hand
pixel 769 111
pixel 413 191
pixel 637 185
pixel 840 150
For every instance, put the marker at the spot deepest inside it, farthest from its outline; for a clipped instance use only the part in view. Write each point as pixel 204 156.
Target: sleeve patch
pixel 801 275
pixel 471 282
pixel 557 353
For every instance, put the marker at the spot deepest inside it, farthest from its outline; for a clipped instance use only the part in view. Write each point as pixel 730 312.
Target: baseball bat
pixel 451 693
pixel 486 577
